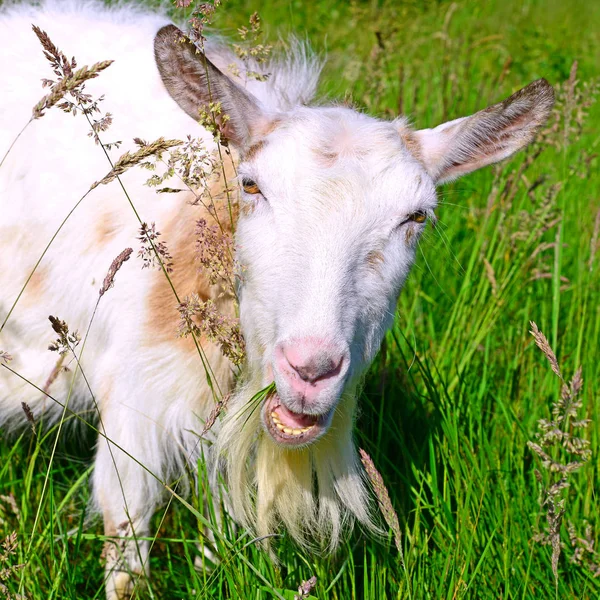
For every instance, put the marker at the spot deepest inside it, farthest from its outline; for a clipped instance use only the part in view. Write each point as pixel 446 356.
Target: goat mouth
pixel 289 428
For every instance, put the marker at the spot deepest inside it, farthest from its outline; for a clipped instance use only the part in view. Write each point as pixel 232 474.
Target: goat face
pixel 333 206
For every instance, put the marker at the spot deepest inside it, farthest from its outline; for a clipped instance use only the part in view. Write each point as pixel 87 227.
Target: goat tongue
pixel 292 419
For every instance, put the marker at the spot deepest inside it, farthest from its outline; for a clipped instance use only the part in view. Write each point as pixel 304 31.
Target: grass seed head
pixel 66 341
pixel 383 498
pixel 544 346
pixel 154 253
pixel 68 85
pixel 560 451
pixel 219 407
pixel 203 317
pixel 214 250
pixel 116 264
pixel 129 159
pixel 8 554
pixel 305 588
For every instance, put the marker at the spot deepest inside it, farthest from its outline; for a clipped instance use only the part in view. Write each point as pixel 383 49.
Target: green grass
pixel 455 395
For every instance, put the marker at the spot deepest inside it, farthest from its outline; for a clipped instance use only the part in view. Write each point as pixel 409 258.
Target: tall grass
pixel 456 393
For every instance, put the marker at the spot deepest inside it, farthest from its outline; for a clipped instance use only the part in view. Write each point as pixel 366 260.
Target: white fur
pixel 337 187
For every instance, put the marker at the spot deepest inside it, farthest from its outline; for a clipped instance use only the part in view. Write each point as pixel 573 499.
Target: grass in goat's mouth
pixel 257 400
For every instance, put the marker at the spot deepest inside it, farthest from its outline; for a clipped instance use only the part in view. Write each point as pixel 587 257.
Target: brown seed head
pixel 383 497
pixel 544 345
pixel 116 264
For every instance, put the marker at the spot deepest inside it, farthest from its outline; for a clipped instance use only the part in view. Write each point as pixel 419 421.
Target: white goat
pixel 333 205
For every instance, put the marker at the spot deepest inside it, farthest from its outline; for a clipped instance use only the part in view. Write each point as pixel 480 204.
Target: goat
pixel 332 206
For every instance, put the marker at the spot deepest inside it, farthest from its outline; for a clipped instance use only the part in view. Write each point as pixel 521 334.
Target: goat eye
pixel 250 186
pixel 418 217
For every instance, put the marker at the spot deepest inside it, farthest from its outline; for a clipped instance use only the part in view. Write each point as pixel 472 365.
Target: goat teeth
pixel 280 426
pixel 274 415
pixel 287 430
pixel 297 431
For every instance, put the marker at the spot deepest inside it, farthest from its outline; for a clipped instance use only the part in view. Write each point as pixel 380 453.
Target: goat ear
pixel 461 146
pixel 193 82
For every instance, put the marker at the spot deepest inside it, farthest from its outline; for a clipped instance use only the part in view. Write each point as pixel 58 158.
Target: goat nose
pixel 312 368
pixel 310 361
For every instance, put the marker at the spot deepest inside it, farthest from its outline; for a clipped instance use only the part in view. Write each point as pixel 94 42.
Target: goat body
pixel 333 204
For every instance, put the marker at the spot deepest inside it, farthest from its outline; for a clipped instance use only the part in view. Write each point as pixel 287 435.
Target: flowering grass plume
pixel 29 415
pixel 71 81
pixel 68 85
pixel 131 159
pixel 305 588
pixel 8 548
pixel 191 163
pixel 153 252
pixel 202 317
pixel 5 357
pixel 544 345
pixel 66 340
pixel 251 52
pixel 560 453
pixel 214 250
pixel 383 499
pixel 584 551
pixel 201 17
pixel 8 570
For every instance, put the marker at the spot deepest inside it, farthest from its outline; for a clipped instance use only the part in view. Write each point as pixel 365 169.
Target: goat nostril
pixel 302 373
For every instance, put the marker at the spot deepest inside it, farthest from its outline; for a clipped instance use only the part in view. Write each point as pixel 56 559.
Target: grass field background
pixel 455 395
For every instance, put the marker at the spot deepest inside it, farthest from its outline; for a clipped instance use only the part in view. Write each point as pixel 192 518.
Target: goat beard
pixel 316 492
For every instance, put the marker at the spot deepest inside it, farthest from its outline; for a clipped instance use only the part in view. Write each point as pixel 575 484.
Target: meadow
pixel 455 397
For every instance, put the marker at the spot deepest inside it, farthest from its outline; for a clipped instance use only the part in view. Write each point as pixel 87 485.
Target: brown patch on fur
pixel 263 130
pixel 37 282
pixel 412 143
pixel 410 234
pixel 269 127
pixel 35 288
pixel 375 259
pixel 180 236
pixel 106 229
pixel 247 208
pixel 255 149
